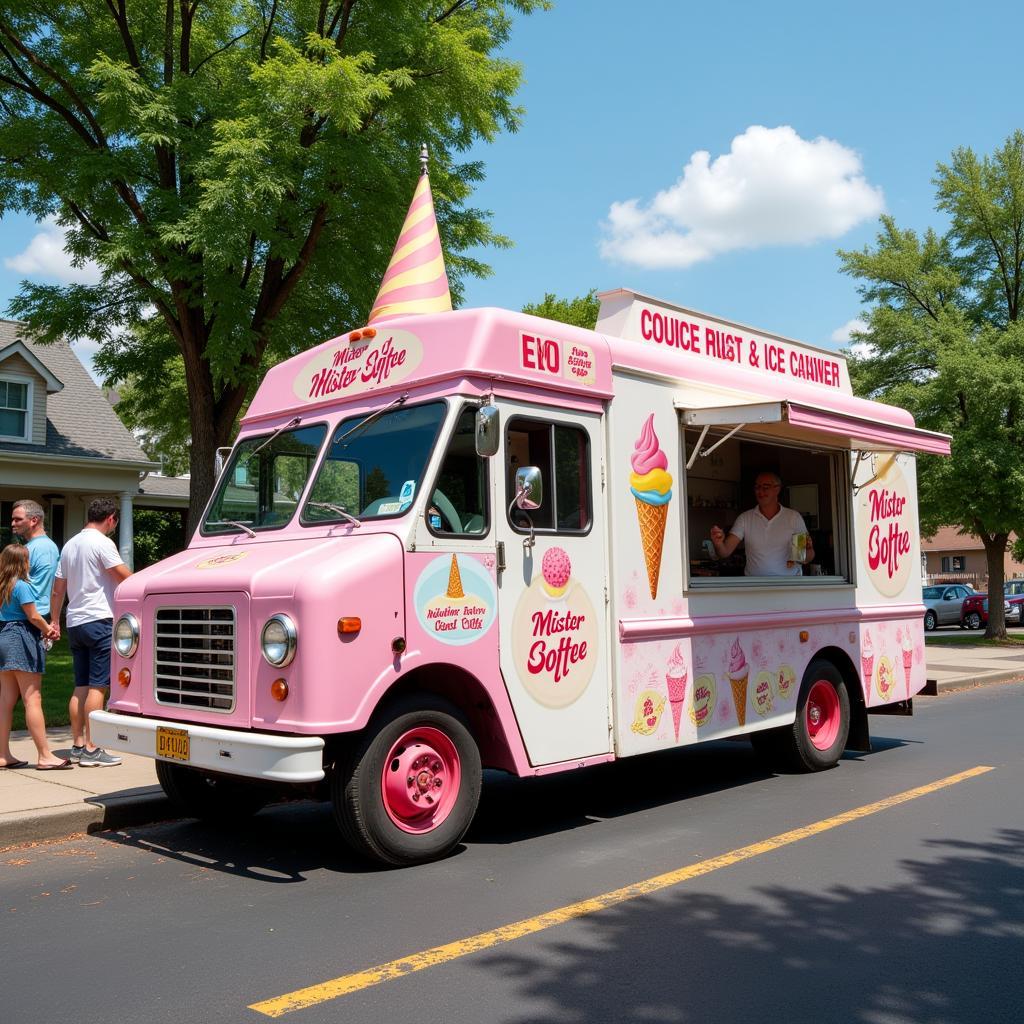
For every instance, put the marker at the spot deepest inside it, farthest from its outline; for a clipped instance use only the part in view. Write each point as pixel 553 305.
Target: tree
pixel 580 312
pixel 946 341
pixel 239 172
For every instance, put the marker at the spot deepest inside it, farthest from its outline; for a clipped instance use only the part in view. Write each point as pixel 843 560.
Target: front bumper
pixel 253 755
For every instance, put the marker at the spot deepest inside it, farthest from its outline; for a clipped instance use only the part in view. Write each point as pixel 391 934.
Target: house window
pixel 953 563
pixel 15 408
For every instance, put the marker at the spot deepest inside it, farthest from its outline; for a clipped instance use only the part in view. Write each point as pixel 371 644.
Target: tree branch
pixel 454 9
pixel 120 16
pixel 270 25
pixel 218 52
pixel 59 79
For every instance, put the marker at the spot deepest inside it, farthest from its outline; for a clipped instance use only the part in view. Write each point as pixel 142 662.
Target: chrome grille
pixel 195 658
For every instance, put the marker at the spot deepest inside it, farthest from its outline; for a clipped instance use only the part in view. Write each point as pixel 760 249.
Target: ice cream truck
pixel 473 539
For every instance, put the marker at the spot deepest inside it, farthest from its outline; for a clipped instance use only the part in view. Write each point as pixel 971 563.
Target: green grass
pixel 972 640
pixel 58 682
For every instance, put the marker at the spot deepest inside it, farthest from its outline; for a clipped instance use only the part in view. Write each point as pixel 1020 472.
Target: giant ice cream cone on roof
pixel 415 281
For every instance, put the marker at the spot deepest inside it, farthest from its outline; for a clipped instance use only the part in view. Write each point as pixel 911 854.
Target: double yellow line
pixel 349 983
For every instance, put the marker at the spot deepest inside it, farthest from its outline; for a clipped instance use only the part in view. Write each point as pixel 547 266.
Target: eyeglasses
pixel 767 487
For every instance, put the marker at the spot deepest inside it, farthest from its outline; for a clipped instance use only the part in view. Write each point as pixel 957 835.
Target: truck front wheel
pixel 218 798
pixel 409 789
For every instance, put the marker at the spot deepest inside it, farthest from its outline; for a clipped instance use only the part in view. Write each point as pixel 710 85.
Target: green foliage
pixel 946 341
pixel 580 312
pixel 239 171
pixel 157 533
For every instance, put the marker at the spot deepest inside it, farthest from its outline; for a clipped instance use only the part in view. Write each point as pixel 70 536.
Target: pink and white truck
pixel 480 539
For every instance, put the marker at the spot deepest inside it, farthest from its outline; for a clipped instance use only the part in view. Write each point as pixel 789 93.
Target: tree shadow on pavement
pixel 942 946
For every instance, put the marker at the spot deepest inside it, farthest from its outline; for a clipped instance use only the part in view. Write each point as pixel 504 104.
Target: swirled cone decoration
pixel 416 280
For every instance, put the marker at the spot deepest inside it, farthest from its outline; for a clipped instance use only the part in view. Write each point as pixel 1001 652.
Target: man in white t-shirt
pixel 90 569
pixel 765 532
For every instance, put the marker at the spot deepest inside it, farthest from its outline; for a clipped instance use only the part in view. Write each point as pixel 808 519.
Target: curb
pixel 933 687
pixel 94 814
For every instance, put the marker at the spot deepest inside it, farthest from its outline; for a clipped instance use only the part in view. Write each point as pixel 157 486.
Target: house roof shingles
pixel 80 422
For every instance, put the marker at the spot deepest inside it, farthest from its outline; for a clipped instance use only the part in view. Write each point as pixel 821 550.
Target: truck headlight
pixel 278 640
pixel 126 635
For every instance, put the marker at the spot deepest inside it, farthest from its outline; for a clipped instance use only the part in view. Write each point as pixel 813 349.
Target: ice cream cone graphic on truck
pixel 651 486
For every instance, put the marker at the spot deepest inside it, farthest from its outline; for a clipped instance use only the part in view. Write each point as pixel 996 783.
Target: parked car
pixel 943 604
pixel 1013 591
pixel 974 612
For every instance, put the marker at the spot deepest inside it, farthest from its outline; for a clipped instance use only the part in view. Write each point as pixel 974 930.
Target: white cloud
pixel 45 257
pixel 771 188
pixel 844 335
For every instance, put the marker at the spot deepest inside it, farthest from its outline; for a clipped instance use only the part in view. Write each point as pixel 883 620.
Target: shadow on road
pixel 284 842
pixel 941 947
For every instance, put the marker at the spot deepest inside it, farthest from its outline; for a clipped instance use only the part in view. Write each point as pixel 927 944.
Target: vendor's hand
pixel 53 633
pixel 717 535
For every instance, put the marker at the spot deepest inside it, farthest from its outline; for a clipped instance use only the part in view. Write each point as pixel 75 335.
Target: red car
pixel 974 612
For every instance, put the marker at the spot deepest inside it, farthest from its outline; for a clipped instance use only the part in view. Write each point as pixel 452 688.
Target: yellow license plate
pixel 172 743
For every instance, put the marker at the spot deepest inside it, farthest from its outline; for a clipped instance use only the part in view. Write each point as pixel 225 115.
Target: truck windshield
pixel 263 482
pixel 374 472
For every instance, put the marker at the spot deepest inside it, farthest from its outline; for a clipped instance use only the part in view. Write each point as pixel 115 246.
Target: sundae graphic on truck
pixel 455 540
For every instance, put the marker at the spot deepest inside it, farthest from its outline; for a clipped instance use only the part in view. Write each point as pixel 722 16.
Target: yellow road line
pixel 349 983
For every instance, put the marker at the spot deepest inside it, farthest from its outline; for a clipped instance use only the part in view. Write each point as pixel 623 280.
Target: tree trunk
pixel 206 430
pixel 995 553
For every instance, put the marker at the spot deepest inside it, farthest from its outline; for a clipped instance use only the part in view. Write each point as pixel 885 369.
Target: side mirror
pixel 529 488
pixel 488 431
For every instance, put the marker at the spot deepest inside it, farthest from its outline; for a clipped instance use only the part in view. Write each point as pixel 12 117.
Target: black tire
pixel 930 621
pixel 792 747
pixel 973 620
pixel 367 822
pixel 207 795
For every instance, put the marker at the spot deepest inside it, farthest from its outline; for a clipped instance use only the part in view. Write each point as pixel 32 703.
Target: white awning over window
pixel 815 425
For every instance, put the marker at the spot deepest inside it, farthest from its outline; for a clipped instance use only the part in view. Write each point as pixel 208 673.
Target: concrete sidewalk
pixel 36 806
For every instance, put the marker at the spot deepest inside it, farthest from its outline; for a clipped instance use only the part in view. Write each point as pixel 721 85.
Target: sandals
pixel 64 766
pixel 13 765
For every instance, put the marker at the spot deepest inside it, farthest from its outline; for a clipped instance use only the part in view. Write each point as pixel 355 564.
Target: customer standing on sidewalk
pixel 90 569
pixel 28 521
pixel 22 660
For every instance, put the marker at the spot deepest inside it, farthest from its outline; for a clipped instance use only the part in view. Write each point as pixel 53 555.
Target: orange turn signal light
pixel 804 636
pixel 366 332
pixel 350 624
pixel 124 677
pixel 279 689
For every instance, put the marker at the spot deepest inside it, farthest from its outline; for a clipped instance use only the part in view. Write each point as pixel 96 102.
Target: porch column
pixel 126 535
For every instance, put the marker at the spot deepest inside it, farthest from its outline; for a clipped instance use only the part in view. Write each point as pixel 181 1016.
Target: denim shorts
pixel 21 648
pixel 90 652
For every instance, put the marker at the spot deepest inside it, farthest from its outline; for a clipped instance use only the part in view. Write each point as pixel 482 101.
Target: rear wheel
pixel 409 789
pixel 973 620
pixel 207 795
pixel 930 621
pixel 816 739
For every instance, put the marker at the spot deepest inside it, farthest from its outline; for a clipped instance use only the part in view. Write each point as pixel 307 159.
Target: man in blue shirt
pixel 28 522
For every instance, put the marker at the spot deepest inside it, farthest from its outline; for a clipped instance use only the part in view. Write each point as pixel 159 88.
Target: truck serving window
pixel 458 503
pixel 264 481
pixel 815 483
pixel 562 453
pixel 374 471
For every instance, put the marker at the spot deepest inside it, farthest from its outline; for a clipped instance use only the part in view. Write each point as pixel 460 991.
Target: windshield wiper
pixel 336 509
pixel 231 522
pixel 280 430
pixel 362 424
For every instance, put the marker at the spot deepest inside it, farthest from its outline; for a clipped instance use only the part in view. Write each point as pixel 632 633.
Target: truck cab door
pixel 551 592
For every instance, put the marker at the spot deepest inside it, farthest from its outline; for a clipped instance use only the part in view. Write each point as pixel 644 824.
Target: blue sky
pixel 715 156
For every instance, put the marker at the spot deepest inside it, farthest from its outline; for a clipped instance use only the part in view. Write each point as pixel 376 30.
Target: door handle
pixel 501 556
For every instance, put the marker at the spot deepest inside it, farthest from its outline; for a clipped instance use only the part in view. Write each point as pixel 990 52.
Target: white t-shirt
pixel 766 541
pixel 84 562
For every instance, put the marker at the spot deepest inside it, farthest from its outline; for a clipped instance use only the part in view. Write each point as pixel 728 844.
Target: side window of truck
pixel 458 503
pixel 562 453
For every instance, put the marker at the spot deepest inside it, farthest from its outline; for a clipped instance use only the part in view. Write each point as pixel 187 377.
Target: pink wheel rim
pixel 822 714
pixel 420 780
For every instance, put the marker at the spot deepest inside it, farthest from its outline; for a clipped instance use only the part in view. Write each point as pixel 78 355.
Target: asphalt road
pixel 911 912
